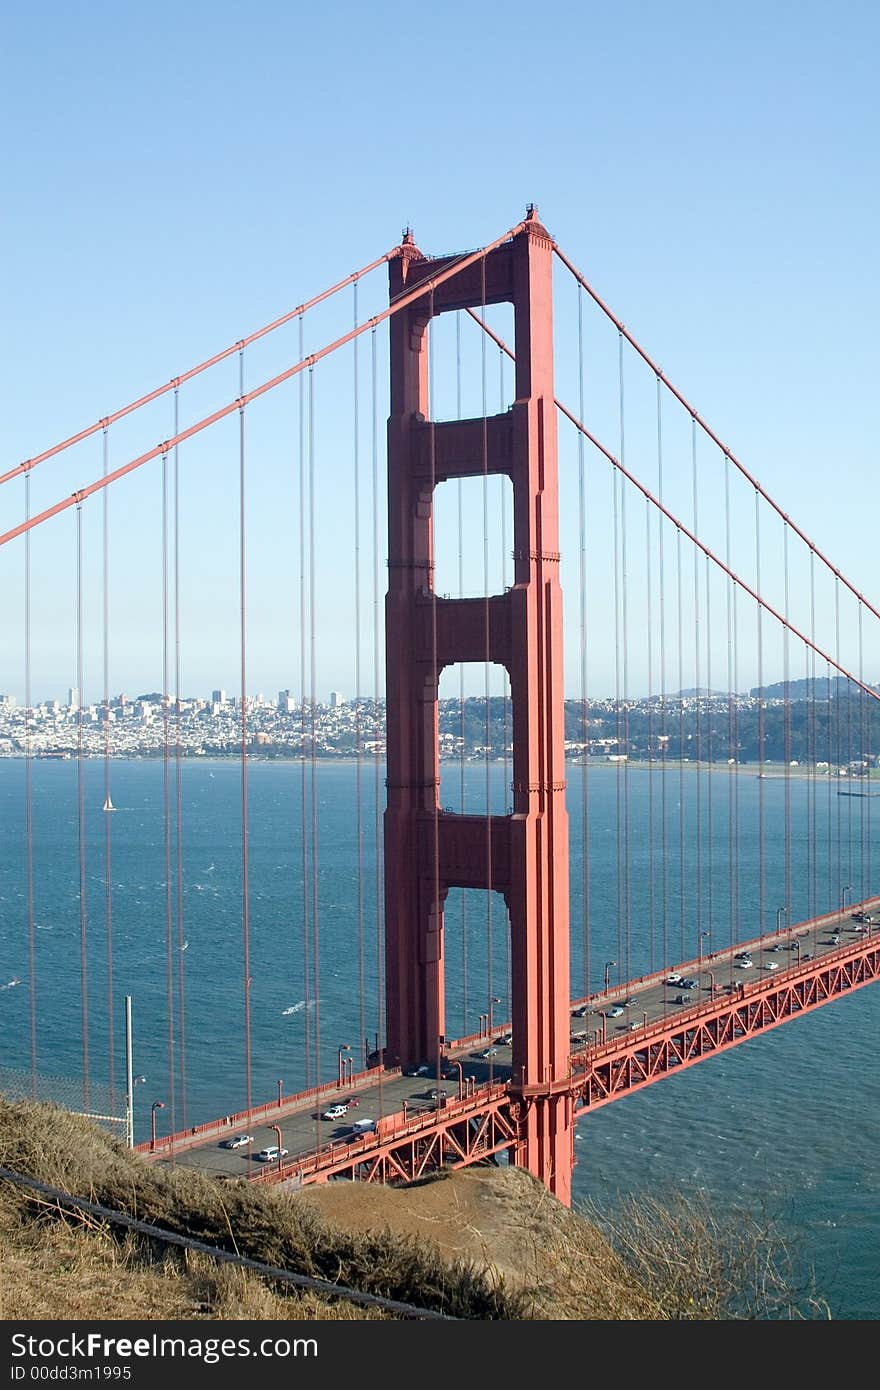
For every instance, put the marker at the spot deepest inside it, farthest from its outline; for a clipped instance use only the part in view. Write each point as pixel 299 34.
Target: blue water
pixel 786 1124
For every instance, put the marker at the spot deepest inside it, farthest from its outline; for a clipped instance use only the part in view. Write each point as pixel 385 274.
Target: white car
pixel 335 1112
pixel 744 964
pixel 238 1142
pixel 271 1153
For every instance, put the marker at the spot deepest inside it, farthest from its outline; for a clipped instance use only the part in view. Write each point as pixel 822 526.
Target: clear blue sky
pixel 176 175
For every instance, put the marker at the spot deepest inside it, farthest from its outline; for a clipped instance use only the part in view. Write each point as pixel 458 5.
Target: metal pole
pixel 129 1077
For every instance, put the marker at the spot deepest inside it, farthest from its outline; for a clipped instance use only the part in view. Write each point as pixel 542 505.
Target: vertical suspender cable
pixel 166 808
pixel 484 407
pixel 178 790
pixel 697 703
pixel 830 776
pixel 868 886
pixel 849 799
pixel 786 723
pixel 357 671
pixel 838 695
pixel 585 726
pixel 505 694
pixel 379 731
pixel 81 812
pixel 626 963
pixel 865 772
pixel 618 732
pixel 681 793
pixel 710 764
pixel 29 791
pixel 431 581
pixel 108 897
pixel 761 704
pixel 649 596
pixel 461 775
pixel 304 800
pixel 242 581
pixel 664 741
pixel 732 739
pixel 313 701
pixel 813 838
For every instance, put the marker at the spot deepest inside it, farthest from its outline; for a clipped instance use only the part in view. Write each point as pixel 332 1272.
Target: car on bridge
pixel 271 1154
pixel 674 979
pixel 614 1012
pixel 237 1142
pixel 335 1112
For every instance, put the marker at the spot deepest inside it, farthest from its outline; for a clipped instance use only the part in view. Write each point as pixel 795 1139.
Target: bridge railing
pixel 191 1137
pixel 746 989
pixel 705 962
pixel 390 1130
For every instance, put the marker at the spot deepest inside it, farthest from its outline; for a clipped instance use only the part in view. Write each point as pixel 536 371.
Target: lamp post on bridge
pixel 703 934
pixel 456 1063
pixel 843 896
pixel 779 912
pixel 493 1000
pixel 343 1047
pixel 280 1084
pixel 797 947
pixel 277 1129
pixel 608 965
pixel 484 1024
pixel 157 1105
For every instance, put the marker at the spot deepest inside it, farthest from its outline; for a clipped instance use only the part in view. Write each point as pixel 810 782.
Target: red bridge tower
pixel 427 850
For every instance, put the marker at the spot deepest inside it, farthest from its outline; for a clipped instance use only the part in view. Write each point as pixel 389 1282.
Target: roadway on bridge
pixel 303 1128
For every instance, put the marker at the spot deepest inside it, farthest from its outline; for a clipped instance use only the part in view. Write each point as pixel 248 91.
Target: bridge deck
pixel 662 1028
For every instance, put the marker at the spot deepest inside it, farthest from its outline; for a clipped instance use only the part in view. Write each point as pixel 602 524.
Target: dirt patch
pixel 500 1218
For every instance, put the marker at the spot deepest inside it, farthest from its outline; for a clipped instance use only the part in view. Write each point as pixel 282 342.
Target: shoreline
pixel 769 772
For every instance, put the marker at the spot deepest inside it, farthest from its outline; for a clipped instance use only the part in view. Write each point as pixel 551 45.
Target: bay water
pixel 666 865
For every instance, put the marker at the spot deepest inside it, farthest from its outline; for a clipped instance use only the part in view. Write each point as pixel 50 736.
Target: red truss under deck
pixel 472 1130
pixel 603 1073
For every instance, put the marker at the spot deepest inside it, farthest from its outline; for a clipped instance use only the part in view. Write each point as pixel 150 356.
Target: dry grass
pixel 483 1243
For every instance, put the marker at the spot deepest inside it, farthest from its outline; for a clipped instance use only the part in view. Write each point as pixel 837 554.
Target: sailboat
pixel 108 804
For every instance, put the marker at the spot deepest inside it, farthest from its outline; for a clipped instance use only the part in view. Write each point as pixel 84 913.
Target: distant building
pixel 8 701
pixel 286 702
pixel 218 697
pixel 73 698
pixel 336 699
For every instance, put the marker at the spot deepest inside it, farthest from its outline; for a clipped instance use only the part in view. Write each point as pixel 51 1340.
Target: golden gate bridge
pixel 683 574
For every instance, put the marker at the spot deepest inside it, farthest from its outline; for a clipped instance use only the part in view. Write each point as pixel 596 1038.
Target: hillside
pixel 483 1243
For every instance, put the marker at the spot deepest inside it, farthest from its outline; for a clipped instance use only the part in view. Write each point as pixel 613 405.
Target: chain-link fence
pixel 99 1103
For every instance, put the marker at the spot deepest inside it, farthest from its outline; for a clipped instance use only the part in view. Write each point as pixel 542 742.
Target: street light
pixel 343 1047
pixel 608 965
pixel 797 947
pixel 280 1084
pixel 779 912
pixel 493 1000
pixel 157 1105
pixel 277 1129
pixel 484 1024
pixel 847 889
pixel 700 945
pixel 455 1062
